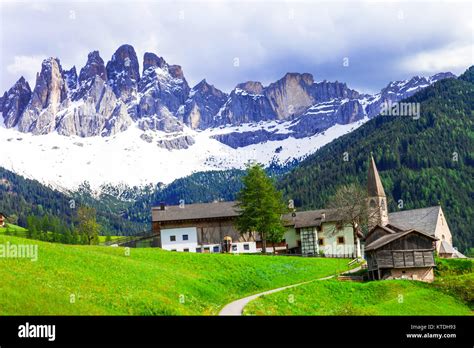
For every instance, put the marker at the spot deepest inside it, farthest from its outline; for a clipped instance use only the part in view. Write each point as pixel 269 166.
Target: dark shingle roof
pixel 310 218
pixel 391 237
pixel 424 219
pixel 195 211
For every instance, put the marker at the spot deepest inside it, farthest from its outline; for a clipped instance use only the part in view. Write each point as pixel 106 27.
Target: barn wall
pixel 424 274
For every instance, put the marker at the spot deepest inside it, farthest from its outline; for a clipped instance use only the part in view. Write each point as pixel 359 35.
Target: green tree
pixel 87 226
pixel 261 207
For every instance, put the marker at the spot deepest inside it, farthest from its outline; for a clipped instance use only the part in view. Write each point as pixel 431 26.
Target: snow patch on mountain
pixel 134 157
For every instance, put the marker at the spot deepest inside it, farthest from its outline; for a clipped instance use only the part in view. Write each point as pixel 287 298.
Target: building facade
pixel 318 232
pixel 201 228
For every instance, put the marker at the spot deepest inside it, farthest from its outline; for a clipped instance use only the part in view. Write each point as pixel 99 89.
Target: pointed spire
pixel 374 184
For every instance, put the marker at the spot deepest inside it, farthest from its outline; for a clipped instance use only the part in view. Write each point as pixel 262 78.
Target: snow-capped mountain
pixel 110 124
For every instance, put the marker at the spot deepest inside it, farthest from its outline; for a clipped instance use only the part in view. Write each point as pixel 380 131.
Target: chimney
pixel 162 205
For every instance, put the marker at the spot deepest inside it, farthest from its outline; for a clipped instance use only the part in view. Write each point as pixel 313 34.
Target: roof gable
pixel 195 211
pixel 378 243
pixel 424 219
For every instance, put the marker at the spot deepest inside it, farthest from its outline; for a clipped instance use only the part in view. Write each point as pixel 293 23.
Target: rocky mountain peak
pixel 50 91
pixel 304 78
pixel 50 88
pixel 176 71
pixel 291 95
pixel 204 88
pixel 251 87
pixel 94 67
pixel 152 60
pixel 14 101
pixel 123 72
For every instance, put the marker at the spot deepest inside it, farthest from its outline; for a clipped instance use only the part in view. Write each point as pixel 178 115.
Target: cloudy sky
pixel 363 43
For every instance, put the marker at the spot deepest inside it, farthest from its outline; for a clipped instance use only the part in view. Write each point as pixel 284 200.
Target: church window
pixel 340 240
pixel 321 241
pixel 382 203
pixel 372 203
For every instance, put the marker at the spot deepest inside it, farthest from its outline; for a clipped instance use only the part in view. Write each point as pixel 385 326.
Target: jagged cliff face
pixel 14 102
pixel 50 91
pixel 291 95
pixel 163 90
pixel 203 103
pixel 105 99
pixel 123 72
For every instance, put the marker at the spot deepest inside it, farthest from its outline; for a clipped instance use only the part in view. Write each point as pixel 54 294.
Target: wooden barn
pixel 392 253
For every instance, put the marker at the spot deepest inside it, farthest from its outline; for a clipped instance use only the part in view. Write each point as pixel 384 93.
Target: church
pixel 402 244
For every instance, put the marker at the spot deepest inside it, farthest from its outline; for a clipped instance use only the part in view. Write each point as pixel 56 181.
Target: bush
pixel 461 287
pixel 448 267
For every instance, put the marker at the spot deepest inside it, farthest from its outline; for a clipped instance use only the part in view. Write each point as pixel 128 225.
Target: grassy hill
pixel 105 281
pixel 448 295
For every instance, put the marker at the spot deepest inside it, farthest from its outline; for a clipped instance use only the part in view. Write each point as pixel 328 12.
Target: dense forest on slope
pixel 23 197
pixel 422 162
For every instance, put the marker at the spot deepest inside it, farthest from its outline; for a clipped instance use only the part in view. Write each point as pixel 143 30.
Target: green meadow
pixel 100 280
pixel 452 293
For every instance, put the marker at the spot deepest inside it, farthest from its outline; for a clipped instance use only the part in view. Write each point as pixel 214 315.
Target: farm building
pixel 318 232
pixel 203 227
pixel 392 253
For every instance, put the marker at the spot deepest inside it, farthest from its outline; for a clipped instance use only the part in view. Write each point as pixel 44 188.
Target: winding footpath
pixel 236 308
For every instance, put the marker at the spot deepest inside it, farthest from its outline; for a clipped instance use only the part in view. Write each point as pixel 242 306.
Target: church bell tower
pixel 377 201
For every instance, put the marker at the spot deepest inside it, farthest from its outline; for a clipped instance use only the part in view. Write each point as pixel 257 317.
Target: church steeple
pixel 374 184
pixel 377 201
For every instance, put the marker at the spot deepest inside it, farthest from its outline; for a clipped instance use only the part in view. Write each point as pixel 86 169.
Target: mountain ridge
pixel 107 98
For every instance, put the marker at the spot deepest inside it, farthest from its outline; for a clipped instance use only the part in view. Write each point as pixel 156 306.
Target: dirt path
pixel 237 307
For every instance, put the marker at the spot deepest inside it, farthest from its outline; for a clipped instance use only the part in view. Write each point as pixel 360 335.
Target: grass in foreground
pixel 104 281
pixel 450 294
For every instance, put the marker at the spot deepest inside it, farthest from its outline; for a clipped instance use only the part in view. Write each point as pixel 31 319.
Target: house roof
pixel 424 219
pixel 374 184
pixel 195 211
pixel 310 218
pixel 376 244
pixel 446 248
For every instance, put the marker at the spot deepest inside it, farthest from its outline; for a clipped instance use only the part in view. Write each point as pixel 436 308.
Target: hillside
pixel 105 281
pixel 450 294
pixel 333 297
pixel 423 162
pixel 22 197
